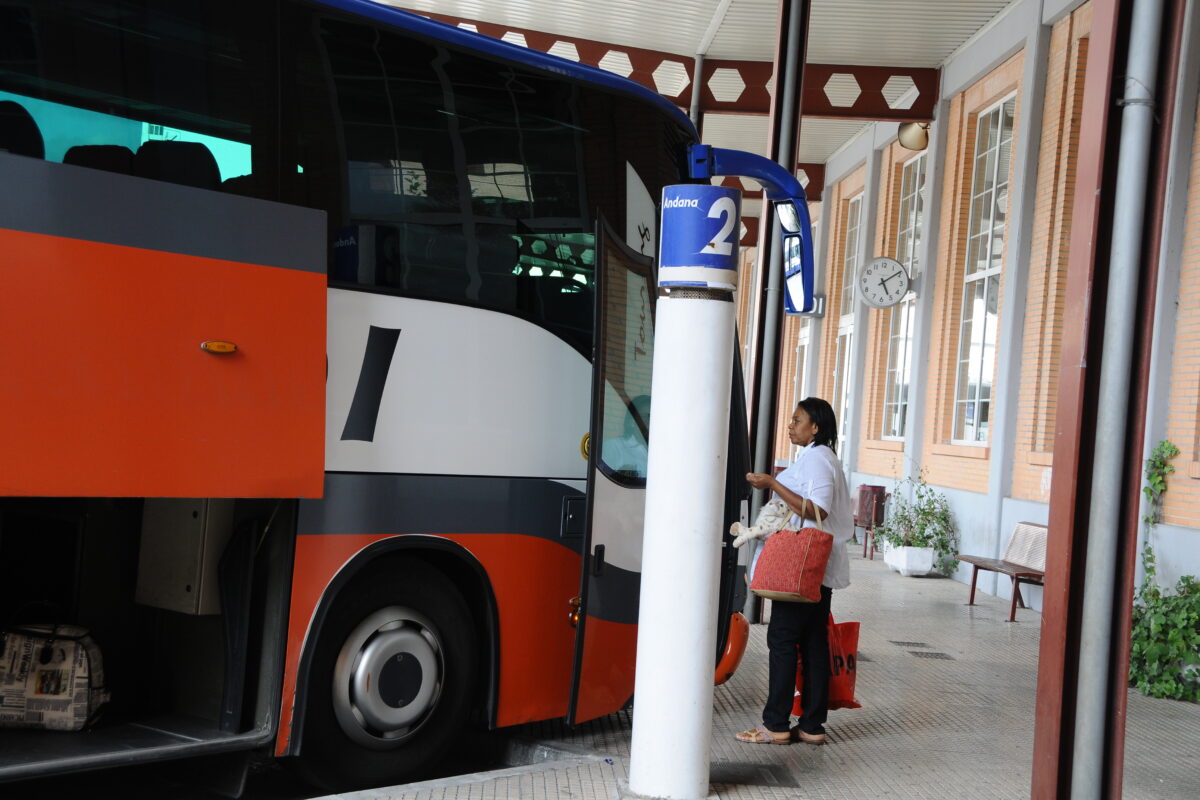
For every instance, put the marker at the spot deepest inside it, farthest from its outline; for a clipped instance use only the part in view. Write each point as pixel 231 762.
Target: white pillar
pixel 685 489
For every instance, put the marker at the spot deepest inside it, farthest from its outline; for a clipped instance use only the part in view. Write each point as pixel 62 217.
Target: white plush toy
pixel 771 517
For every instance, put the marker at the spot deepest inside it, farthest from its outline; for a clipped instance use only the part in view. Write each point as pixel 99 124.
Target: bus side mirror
pixel 791 209
pixel 798 281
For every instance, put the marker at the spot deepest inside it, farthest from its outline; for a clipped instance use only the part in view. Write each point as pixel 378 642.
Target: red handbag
pixel 792 565
pixel 843 668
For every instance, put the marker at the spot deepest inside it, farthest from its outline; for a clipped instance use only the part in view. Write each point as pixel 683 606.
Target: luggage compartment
pixel 182 682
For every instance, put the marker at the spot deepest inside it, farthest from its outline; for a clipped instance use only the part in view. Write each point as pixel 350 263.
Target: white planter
pixel 909 561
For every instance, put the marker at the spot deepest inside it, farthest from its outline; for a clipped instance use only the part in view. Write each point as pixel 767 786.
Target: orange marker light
pixel 218 347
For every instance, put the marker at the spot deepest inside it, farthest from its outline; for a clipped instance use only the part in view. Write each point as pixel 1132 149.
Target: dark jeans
pixel 798 627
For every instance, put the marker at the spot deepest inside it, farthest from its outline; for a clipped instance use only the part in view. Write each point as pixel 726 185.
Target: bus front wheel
pixel 392 678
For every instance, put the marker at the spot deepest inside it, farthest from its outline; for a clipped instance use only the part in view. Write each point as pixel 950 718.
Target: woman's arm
pixel 799 505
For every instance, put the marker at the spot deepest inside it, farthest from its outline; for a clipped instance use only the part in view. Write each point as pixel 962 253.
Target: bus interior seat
pixel 108 157
pixel 19 134
pixel 188 163
pixel 245 185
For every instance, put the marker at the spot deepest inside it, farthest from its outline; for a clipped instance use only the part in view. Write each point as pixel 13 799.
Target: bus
pixel 326 336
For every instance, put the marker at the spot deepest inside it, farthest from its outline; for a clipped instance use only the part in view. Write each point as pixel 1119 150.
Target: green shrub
pixel 1164 658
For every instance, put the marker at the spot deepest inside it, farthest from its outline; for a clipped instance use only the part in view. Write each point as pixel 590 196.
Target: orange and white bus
pixel 309 313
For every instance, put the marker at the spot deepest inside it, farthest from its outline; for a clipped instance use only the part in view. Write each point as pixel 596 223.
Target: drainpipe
pixel 786 131
pixel 1120 321
pixel 697 90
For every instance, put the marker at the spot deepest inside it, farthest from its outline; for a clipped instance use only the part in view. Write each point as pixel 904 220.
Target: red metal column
pixel 1053 738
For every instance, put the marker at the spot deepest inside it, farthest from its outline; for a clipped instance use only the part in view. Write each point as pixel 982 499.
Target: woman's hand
pixel 759 481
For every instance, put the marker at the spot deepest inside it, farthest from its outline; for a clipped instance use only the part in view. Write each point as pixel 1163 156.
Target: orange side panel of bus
pixel 536 639
pixel 609 651
pixel 108 392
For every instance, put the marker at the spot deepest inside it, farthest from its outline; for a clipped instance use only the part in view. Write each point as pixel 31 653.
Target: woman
pixel 814 486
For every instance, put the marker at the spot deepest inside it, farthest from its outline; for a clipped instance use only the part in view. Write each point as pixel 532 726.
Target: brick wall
pixel 1044 299
pixel 959 466
pixel 1181 504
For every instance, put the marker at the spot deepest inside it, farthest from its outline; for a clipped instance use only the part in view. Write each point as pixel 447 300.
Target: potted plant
pixel 919 530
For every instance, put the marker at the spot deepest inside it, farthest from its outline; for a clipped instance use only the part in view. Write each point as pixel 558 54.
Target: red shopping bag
pixel 843 667
pixel 792 565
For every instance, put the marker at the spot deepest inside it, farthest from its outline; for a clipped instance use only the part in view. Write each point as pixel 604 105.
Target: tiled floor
pixel 948 696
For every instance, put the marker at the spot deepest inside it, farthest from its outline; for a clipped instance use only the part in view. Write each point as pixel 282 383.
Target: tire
pixel 393 679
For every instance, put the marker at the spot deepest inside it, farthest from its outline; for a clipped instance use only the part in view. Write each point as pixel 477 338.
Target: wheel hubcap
pixel 388 677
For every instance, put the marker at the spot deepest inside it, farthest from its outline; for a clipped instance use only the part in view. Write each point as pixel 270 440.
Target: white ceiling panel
pixel 748 31
pixel 821 138
pixel 740 131
pixel 904 33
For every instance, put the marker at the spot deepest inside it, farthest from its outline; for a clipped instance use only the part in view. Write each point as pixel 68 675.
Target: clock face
pixel 882 282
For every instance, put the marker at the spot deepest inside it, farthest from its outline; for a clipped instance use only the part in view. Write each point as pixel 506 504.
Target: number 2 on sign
pixel 721 244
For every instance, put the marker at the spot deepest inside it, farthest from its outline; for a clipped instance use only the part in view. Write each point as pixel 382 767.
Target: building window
pixel 841 384
pixel 850 254
pixel 981 275
pixel 803 342
pixel 903 315
pixel 845 329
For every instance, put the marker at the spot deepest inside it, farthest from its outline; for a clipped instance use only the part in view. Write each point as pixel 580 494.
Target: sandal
pixel 761 735
pixel 806 737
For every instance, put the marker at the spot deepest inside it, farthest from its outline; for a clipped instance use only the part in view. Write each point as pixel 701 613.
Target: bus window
pixel 162 91
pixel 89 138
pixel 462 178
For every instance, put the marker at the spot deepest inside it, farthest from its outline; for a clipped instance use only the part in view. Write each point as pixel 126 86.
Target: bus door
pixel 606 638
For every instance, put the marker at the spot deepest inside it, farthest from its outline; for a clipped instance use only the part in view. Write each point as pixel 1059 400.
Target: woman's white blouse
pixel 817 475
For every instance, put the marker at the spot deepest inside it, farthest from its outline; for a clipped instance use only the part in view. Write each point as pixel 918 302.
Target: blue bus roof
pixel 498 48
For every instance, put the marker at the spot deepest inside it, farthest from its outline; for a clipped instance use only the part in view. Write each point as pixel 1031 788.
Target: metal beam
pixel 815 173
pixel 872 102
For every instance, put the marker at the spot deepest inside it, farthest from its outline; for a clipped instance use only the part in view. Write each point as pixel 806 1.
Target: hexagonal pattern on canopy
pixel 563 49
pixel 842 89
pixel 618 62
pixel 896 88
pixel 726 85
pixel 671 78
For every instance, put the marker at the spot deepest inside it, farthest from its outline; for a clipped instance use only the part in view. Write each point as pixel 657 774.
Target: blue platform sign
pixel 700 229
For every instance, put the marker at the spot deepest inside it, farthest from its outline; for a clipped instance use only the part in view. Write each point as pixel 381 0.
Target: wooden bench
pixel 1024 561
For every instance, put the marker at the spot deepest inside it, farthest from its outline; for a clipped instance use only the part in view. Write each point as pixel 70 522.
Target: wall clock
pixel 882 282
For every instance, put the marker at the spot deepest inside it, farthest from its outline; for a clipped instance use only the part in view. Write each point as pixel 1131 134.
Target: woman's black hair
pixel 821 414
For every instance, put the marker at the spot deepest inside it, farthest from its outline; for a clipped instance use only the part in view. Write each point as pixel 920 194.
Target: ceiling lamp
pixel 913 135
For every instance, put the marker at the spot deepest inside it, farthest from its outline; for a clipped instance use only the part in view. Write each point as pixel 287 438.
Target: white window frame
pixel 902 321
pixel 850 253
pixel 978 353
pixel 842 373
pixel 843 363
